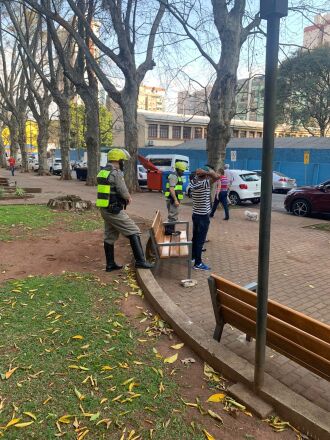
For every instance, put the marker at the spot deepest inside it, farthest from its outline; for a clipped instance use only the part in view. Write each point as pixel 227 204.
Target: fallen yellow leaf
pixel 65 419
pixel 10 372
pixel 23 425
pixel 177 346
pixel 30 414
pixel 171 359
pixel 12 422
pixel 215 416
pixel 77 337
pixel 208 436
pixel 78 394
pixel 219 397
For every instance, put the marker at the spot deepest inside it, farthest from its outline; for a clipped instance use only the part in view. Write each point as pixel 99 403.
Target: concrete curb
pixel 302 413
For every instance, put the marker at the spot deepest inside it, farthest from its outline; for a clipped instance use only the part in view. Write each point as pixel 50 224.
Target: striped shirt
pixel 201 195
pixel 222 184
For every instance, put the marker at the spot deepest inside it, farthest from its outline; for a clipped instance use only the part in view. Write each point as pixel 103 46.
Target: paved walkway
pixel 299 272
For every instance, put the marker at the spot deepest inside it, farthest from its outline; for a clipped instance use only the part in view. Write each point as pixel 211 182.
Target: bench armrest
pixel 176 223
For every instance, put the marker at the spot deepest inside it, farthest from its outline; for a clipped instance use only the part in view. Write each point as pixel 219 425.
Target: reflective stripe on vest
pixel 103 189
pixel 178 189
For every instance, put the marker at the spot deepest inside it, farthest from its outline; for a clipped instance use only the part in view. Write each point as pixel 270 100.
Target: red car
pixel 309 200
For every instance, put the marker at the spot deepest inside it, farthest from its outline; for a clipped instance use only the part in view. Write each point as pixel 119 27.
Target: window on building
pixel 198 132
pixel 152 130
pixel 252 134
pixel 235 133
pixel 205 133
pixel 259 134
pixel 176 132
pixel 243 134
pixel 186 132
pixel 163 131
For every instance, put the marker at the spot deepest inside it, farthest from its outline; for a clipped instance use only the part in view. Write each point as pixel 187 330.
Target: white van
pixel 166 162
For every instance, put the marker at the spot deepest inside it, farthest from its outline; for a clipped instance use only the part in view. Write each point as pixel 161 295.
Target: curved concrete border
pixel 302 413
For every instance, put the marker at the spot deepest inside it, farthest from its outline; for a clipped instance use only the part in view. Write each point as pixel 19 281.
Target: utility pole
pixel 272 11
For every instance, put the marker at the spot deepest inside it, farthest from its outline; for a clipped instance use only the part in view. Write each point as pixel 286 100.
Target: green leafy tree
pixel 78 126
pixel 304 90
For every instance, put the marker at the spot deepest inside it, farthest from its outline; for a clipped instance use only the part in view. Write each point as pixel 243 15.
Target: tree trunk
pixel 92 141
pixel 43 136
pixel 22 142
pixel 92 134
pixel 129 108
pixel 13 130
pixel 222 97
pixel 64 109
pixel 3 162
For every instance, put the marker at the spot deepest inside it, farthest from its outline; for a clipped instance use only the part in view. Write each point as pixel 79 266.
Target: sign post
pixel 272 11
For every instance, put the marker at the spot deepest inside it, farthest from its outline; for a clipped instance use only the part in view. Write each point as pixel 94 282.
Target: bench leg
pixel 189 262
pixel 218 331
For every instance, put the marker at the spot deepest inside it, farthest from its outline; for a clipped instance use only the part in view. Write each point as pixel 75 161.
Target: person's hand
pixel 177 203
pixel 129 200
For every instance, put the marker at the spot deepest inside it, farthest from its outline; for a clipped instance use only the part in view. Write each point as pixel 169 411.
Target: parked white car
pixel 244 185
pixel 56 167
pixel 142 175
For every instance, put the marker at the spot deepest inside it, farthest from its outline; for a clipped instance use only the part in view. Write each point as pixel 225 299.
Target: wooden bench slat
pixel 297 319
pixel 165 250
pixel 299 354
pixel 184 250
pixel 298 336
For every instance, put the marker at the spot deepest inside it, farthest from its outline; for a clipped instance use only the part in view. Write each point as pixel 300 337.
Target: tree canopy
pixel 304 90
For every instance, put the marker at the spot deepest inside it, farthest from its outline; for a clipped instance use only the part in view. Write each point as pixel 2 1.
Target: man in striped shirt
pixel 201 195
pixel 221 194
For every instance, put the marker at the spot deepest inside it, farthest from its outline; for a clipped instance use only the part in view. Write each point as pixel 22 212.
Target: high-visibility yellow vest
pixel 178 189
pixel 103 189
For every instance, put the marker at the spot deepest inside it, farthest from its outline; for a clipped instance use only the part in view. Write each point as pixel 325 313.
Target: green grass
pixel 20 221
pixel 82 377
pixel 320 226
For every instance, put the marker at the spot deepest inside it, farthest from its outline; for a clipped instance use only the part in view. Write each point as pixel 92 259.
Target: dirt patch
pixel 83 252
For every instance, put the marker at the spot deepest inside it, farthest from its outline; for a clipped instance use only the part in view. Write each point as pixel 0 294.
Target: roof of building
pixel 303 142
pixel 193 119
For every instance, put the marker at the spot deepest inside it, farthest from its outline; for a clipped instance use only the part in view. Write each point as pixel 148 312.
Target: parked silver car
pixel 281 182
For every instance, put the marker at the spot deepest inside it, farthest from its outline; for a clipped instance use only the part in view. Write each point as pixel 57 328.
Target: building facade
pixel 151 98
pixel 250 98
pixel 318 34
pixel 195 103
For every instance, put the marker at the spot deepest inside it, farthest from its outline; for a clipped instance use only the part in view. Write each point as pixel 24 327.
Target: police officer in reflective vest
pixel 174 196
pixel 112 198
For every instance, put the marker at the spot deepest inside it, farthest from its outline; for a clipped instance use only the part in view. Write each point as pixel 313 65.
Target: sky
pixel 252 56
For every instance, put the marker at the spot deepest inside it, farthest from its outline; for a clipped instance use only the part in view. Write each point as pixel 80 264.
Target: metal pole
pixel 273 24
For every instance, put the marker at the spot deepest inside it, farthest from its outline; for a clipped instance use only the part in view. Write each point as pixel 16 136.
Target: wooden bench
pixel 169 246
pixel 291 333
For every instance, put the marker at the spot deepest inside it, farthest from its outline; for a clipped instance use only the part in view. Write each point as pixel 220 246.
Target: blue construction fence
pixel 289 161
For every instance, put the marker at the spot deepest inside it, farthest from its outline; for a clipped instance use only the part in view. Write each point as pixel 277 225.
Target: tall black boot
pixel 109 250
pixel 140 260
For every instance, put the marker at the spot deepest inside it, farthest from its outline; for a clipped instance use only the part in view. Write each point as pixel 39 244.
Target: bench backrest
pixel 297 336
pixel 157 229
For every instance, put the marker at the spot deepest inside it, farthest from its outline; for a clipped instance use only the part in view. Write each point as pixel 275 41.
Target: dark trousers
pixel 200 227
pixel 222 198
pixel 12 169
